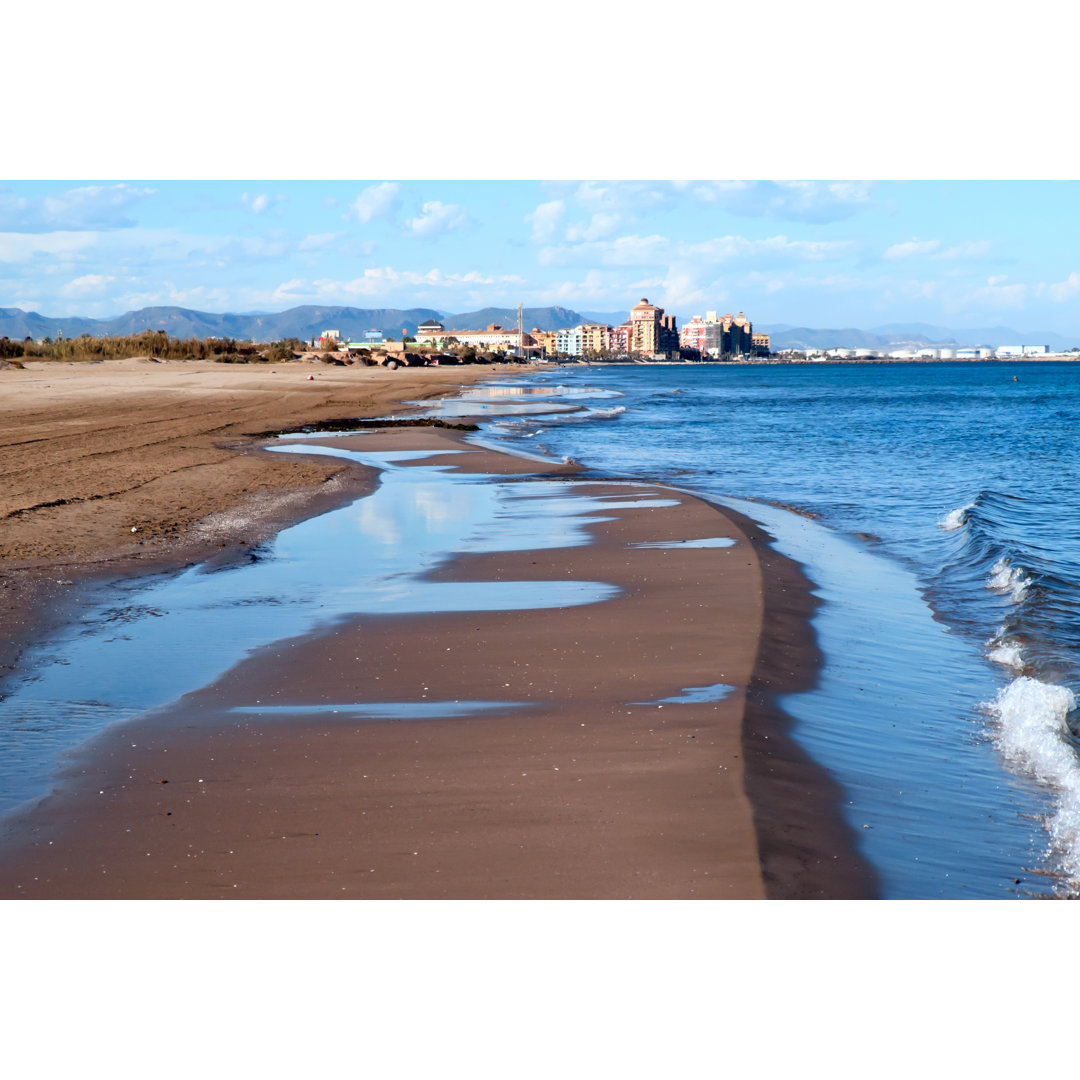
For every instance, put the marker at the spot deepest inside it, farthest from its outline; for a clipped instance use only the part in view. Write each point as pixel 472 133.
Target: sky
pixel 805 253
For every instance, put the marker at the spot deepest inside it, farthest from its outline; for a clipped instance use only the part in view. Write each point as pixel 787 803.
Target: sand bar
pixel 585 786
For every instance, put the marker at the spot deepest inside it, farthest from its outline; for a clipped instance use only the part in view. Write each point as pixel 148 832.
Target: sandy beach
pixel 586 786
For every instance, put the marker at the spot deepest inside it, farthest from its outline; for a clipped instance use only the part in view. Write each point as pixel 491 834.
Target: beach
pixel 588 773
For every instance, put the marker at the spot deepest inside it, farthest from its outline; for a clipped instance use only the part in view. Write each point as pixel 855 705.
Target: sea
pixel 933 507
pixel 936 508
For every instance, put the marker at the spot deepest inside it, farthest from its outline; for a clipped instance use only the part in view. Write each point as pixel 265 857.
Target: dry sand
pixel 582 795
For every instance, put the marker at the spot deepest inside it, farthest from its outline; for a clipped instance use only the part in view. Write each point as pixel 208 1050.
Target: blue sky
pixel 859 253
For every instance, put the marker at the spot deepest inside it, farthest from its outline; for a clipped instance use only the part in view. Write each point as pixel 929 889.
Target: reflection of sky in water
pixel 154 642
pixel 708 542
pixel 693 695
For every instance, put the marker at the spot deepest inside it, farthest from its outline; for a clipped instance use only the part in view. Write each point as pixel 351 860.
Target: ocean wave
pixel 956 519
pixel 1005 651
pixel 1006 578
pixel 1033 734
pixel 585 416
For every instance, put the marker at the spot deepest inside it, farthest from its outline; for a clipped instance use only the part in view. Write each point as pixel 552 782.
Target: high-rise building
pixel 719 335
pixel 645 328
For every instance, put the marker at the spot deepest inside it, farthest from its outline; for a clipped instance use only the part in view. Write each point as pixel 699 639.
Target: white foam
pixel 1006 652
pixel 585 415
pixel 1033 734
pixel 1006 578
pixel 955 519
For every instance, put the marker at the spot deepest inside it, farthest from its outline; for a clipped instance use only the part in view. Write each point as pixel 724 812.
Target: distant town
pixel 649 335
pixel 418 336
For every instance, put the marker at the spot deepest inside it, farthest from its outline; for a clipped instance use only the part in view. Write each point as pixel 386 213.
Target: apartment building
pixel 594 339
pixel 568 342
pixel 645 328
pixel 720 335
pixel 619 339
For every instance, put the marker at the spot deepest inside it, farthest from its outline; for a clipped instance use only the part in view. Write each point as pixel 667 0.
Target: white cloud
pixel 379 200
pixel 383 280
pixel 87 285
pixel 600 226
pixel 93 207
pixel 796 200
pixel 654 250
pixel 911 247
pixel 725 248
pixel 21 247
pixel 258 203
pixel 624 197
pixel 436 218
pixel 970 250
pixel 997 295
pixel 1067 289
pixel 318 241
pixel 546 219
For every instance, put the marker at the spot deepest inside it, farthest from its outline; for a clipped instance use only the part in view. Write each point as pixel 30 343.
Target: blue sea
pixel 936 509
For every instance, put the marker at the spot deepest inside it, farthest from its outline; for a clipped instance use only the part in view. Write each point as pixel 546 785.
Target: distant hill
pixel 901 335
pixel 549 318
pixel 300 322
pixel 17 324
pixel 309 321
pixel 607 318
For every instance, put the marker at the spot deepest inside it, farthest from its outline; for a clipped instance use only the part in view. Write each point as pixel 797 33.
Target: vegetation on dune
pixel 154 343
pixel 158 345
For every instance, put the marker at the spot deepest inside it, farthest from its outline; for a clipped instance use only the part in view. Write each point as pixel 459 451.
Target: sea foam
pixel 1005 652
pixel 1006 578
pixel 1033 734
pixel 955 519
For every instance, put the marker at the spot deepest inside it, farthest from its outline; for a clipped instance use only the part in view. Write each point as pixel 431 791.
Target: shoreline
pixel 205 491
pixel 796 859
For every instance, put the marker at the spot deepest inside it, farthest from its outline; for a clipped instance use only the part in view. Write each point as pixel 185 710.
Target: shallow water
pixel 152 642
pixel 952 607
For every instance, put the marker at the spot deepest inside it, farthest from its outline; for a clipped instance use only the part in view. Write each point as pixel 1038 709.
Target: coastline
pixel 85 501
pixel 595 843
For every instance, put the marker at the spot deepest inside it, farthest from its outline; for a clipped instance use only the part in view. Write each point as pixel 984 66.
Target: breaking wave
pixel 1033 733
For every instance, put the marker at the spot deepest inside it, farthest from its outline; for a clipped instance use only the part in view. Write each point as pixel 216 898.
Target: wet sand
pixel 128 466
pixel 580 794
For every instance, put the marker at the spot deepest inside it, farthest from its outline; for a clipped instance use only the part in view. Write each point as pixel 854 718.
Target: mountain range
pixel 299 322
pixel 352 323
pixel 915 335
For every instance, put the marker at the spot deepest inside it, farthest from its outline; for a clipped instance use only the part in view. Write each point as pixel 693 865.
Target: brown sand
pixel 583 794
pixel 130 465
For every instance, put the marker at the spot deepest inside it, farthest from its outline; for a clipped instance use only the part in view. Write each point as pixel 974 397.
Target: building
pixel 493 337
pixel 669 335
pixel 431 332
pixel 651 332
pixel 760 343
pixel 594 339
pixel 545 340
pixel 619 339
pixel 720 335
pixel 568 342
pixel 707 338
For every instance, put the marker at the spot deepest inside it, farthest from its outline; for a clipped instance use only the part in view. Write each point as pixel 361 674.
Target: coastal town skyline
pixel 966 254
